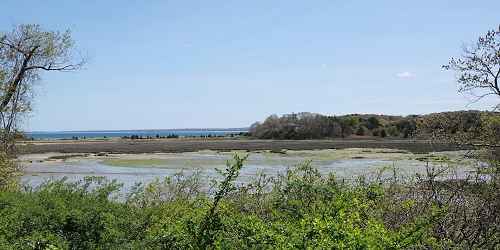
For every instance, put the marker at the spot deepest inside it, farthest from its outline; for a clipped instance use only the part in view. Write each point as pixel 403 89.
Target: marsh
pixel 129 169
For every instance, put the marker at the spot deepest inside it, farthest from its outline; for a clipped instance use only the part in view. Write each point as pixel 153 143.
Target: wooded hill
pixel 317 126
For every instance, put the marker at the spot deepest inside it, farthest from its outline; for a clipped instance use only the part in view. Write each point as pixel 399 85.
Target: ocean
pixel 57 135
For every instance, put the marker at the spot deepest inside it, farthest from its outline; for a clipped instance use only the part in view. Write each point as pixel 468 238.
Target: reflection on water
pixel 144 168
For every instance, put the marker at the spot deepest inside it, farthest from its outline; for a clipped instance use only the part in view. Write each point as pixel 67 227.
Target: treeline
pixel 169 136
pixel 317 126
pixel 157 136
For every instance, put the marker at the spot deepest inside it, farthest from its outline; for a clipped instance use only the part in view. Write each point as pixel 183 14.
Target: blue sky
pixel 178 64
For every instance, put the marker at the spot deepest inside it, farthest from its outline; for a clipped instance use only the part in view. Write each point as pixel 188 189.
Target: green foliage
pixel 361 131
pixel 172 188
pixel 478 129
pixel 25 52
pixel 9 172
pixel 315 126
pixel 65 215
pixel 211 224
pixel 490 125
pixel 372 123
pixel 472 124
pixel 298 209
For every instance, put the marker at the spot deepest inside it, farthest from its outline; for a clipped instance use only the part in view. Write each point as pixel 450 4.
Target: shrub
pixel 9 171
pixel 300 208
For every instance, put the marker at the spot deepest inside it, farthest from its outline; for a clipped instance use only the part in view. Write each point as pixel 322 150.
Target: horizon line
pixel 125 130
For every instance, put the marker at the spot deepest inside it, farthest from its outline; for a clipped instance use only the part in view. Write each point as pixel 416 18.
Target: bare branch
pixel 25 52
pixel 476 68
pixel 56 68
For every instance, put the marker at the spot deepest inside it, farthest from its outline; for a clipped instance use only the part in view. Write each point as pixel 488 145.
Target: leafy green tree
pixel 347 125
pixel 372 123
pixel 361 130
pixel 9 171
pixel 25 52
pixel 407 127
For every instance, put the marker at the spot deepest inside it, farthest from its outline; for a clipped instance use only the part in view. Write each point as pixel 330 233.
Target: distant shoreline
pixel 131 130
pixel 222 144
pixel 147 133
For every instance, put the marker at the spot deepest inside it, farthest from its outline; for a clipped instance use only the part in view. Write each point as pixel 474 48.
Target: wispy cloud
pixel 405 75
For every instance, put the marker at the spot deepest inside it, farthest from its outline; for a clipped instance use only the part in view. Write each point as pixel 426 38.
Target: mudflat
pixel 222 144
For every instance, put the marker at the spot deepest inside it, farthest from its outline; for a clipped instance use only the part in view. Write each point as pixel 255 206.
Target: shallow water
pixel 133 168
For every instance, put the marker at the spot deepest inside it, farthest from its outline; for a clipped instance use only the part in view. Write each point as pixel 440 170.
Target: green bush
pixel 68 215
pixel 9 171
pixel 299 209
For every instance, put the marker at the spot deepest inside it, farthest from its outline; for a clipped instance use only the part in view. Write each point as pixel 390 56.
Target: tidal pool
pixel 133 168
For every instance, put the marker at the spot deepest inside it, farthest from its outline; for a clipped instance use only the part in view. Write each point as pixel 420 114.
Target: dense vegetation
pixel 298 209
pixel 316 126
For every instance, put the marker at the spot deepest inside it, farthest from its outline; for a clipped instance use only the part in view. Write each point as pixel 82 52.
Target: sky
pixel 212 64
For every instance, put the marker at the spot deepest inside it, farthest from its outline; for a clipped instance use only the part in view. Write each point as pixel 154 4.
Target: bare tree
pixel 479 66
pixel 25 52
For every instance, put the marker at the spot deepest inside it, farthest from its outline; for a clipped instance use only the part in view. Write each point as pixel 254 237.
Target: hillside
pixel 317 126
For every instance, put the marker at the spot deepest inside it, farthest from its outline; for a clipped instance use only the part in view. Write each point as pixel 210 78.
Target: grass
pixel 342 154
pixel 65 157
pixel 203 159
pixel 134 162
pixel 163 163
